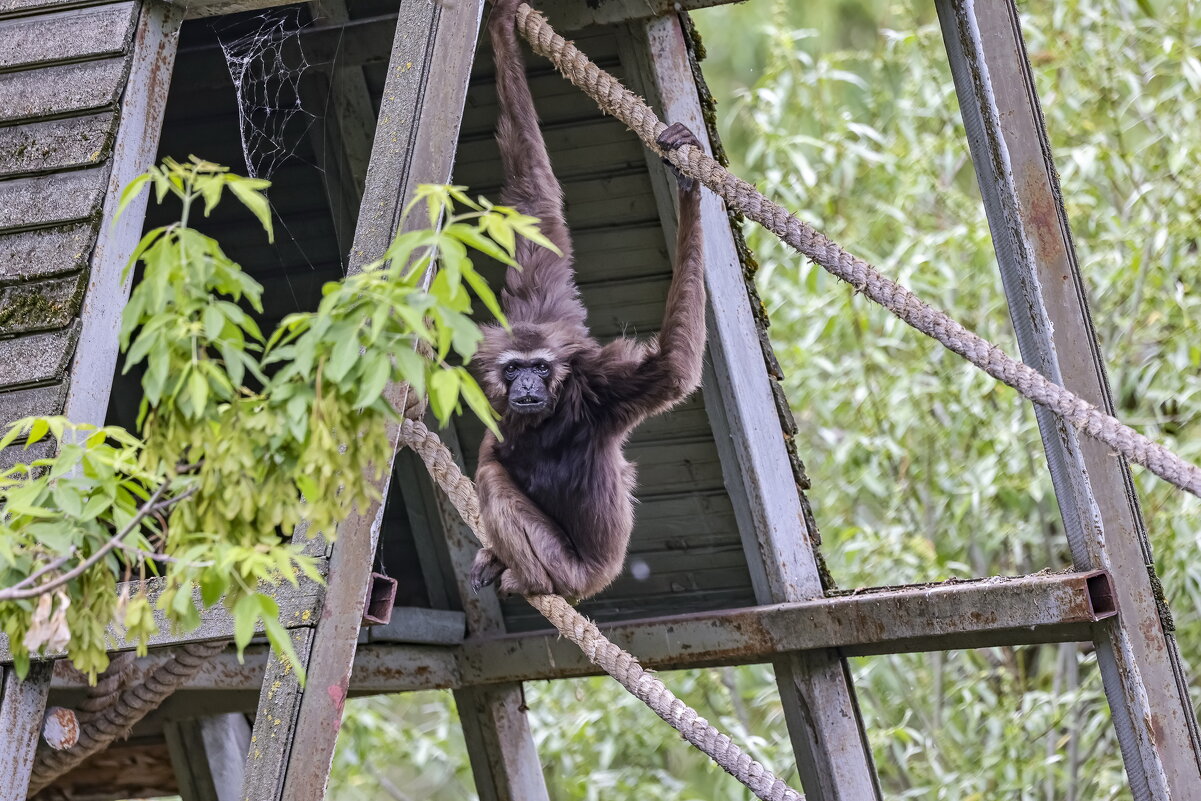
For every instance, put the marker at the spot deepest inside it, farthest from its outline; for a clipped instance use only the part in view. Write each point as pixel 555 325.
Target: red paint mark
pixel 337 694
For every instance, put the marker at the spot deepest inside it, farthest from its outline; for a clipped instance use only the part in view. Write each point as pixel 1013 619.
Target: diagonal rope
pixel 600 651
pixel 616 100
pixel 113 707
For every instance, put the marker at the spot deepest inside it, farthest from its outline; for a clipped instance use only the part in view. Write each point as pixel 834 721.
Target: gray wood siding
pixel 61 76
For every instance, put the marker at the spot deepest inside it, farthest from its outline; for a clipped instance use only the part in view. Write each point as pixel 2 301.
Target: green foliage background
pixel 922 467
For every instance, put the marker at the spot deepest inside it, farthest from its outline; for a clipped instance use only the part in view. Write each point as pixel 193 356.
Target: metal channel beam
pixel 832 751
pixel 1138 656
pixel 961 614
pixel 414 143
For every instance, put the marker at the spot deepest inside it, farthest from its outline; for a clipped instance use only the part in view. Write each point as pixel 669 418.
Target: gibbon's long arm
pixel 670 367
pixel 544 290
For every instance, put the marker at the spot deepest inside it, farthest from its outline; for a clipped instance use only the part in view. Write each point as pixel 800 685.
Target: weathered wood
pixel 10 8
pixel 36 358
pixel 496 731
pixel 76 34
pixel 61 90
pixel 504 760
pixel 209 756
pixel 275 724
pixel 56 145
pixel 566 15
pixel 931 617
pixel 40 305
pixel 21 454
pixel 414 143
pixel 37 401
pixel 141 116
pixel 43 201
pixel 299 607
pixel 421 626
pixel 21 708
pixel 833 754
pixel 30 255
pixel 1137 654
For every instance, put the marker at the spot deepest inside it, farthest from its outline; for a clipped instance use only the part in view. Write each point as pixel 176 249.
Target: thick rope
pixel 742 197
pixel 599 650
pixel 110 711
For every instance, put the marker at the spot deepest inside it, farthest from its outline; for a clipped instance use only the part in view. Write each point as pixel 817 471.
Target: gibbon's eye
pixel 510 372
pixel 541 368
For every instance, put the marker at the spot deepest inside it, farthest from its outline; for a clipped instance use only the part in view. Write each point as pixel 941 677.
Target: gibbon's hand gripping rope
pixel 599 650
pixel 617 101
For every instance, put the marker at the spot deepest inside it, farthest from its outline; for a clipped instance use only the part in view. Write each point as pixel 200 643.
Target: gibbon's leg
pixel 537 554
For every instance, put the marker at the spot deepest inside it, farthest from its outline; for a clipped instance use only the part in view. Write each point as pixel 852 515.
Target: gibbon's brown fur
pixel 556 491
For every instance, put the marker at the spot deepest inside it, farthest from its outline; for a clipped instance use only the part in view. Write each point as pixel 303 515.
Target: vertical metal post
pixel 209 756
pixel 22 705
pixel 414 143
pixel 832 751
pixel 1138 657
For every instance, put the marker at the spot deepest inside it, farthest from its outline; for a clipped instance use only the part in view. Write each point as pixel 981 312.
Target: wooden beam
pixel 22 705
pixel 928 617
pixel 209 756
pixel 143 105
pixel 1137 653
pixel 566 15
pixel 832 751
pixel 500 745
pixel 414 143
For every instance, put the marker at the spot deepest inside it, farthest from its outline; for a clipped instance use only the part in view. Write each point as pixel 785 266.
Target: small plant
pixel 244 439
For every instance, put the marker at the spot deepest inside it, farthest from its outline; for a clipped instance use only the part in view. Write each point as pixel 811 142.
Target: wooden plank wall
pixel 61 77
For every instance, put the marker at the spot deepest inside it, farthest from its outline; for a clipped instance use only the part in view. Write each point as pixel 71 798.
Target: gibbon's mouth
pixel 527 405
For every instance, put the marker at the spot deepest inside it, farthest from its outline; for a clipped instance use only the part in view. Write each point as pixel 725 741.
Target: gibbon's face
pixel 529 378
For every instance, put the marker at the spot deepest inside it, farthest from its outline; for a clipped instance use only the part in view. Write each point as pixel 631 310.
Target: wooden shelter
pixel 723 567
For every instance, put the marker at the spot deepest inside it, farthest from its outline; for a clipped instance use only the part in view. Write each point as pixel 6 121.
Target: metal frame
pixel 1137 654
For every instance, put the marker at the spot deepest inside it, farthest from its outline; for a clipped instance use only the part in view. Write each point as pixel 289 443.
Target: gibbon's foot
pixel 485 569
pixel 512 584
pixel 676 136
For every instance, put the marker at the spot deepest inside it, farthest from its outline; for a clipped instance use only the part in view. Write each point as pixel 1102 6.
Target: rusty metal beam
pixel 1065 607
pixel 1138 656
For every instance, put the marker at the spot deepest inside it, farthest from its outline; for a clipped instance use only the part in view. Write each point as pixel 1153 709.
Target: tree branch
pixel 24 589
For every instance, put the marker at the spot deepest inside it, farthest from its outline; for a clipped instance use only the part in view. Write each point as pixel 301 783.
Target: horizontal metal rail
pixel 953 615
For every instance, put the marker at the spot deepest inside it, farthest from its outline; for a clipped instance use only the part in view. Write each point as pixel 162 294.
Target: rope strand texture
pixel 599 650
pixel 111 708
pixel 616 100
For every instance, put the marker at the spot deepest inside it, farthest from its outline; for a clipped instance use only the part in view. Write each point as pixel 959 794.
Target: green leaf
pixel 131 191
pixel 257 203
pixel 38 430
pixel 343 357
pixel 375 378
pixel 444 393
pixel 246 615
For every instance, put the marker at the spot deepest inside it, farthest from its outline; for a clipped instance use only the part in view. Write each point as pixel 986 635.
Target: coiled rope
pixel 111 708
pixel 599 650
pixel 618 101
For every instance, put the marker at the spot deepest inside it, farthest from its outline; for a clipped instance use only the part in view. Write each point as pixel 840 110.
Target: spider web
pixel 266 62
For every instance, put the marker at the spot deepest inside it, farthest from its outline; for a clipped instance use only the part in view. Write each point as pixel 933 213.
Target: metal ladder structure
pixel 97 72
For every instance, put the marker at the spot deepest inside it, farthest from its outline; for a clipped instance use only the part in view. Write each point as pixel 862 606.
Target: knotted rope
pixel 618 101
pixel 599 650
pixel 111 709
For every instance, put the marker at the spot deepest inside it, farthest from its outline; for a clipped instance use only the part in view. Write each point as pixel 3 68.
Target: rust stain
pixel 337 694
pixel 60 729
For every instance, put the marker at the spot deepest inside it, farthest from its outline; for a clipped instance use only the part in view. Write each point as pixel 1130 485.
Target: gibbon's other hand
pixel 676 136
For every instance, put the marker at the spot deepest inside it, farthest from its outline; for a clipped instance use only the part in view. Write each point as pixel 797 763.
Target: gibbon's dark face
pixel 528 377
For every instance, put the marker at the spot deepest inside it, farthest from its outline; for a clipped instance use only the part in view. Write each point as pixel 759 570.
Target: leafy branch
pixel 242 437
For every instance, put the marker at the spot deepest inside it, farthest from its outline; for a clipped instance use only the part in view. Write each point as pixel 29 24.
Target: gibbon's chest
pixel 569 478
